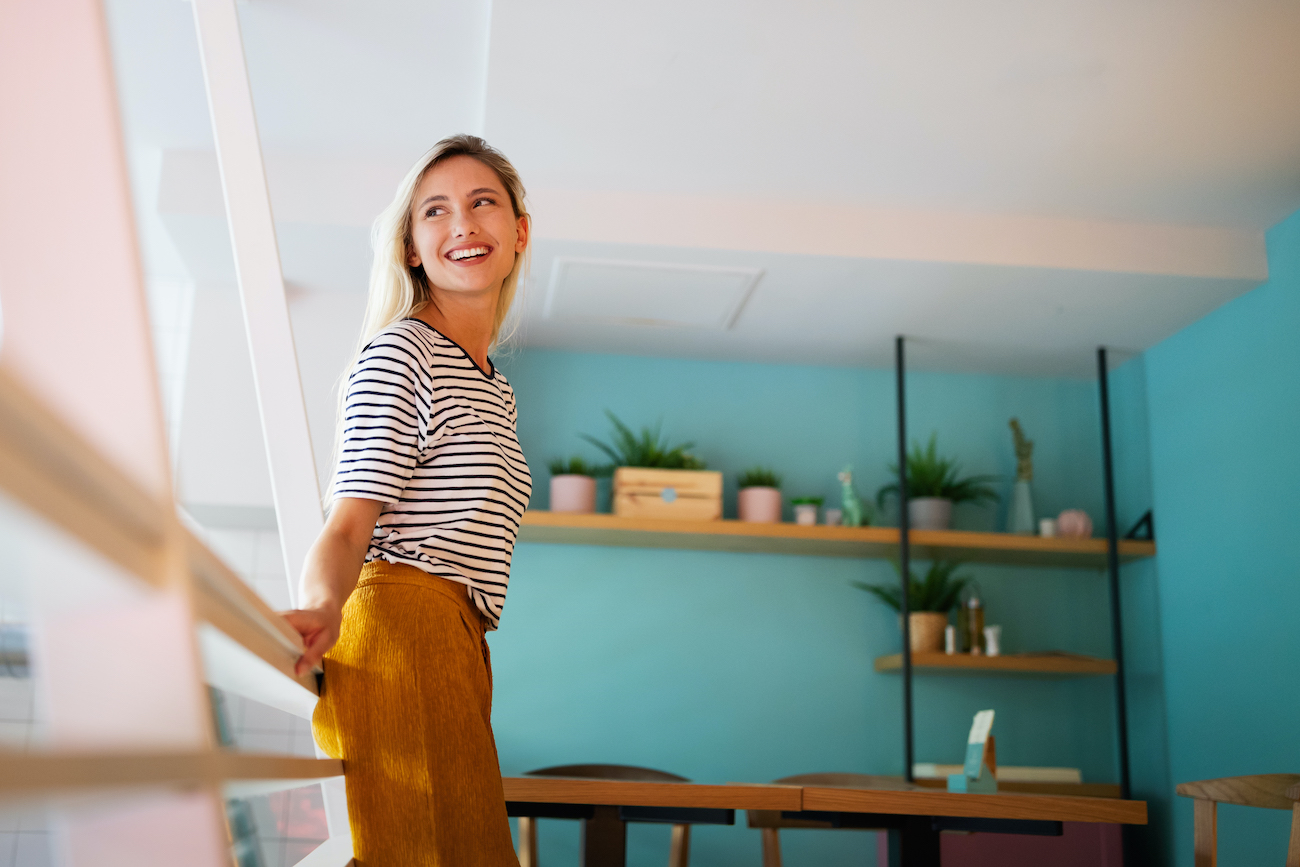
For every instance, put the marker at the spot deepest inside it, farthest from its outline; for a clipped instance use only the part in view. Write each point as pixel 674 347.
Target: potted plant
pixel 929 600
pixel 759 500
pixel 573 485
pixel 805 510
pixel 934 486
pixel 655 480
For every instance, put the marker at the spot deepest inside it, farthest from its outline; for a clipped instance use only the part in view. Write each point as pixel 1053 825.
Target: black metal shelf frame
pixel 1112 564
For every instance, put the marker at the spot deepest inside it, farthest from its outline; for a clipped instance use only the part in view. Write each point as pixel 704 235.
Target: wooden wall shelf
pixel 882 542
pixel 1042 664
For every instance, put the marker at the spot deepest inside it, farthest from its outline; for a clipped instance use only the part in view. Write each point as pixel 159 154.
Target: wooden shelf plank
pixel 1045 664
pixel 737 536
pixel 26 775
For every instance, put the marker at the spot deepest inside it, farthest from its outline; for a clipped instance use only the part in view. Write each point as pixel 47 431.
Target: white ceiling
pixel 1018 181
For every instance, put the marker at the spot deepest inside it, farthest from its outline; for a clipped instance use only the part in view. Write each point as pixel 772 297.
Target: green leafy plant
pixel 759 477
pixel 806 501
pixel 939 590
pixel 576 466
pixel 929 475
pixel 628 449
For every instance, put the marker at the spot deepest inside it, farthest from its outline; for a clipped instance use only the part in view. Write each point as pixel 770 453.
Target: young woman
pixel 411 569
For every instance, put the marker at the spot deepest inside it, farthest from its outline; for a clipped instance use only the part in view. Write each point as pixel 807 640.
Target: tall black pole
pixel 905 559
pixel 1112 568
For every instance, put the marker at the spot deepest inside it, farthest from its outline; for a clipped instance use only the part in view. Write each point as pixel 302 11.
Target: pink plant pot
pixel 759 505
pixel 573 494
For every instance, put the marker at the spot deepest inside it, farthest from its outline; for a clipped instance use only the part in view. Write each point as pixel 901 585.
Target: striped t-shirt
pixel 430 435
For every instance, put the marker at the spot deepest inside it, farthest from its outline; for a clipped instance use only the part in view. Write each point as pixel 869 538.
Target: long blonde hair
pixel 398 290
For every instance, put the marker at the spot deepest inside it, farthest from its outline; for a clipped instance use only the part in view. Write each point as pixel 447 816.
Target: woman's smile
pixel 468 255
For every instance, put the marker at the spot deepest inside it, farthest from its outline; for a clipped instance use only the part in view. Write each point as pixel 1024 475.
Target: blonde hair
pixel 398 290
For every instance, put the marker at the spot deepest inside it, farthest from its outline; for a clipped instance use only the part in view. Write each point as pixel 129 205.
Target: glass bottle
pixel 973 615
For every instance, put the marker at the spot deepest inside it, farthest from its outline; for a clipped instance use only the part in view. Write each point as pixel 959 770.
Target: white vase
pixel 805 514
pixel 573 494
pixel 929 513
pixel 759 505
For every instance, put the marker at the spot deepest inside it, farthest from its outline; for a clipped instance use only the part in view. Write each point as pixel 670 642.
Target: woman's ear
pixel 522 228
pixel 412 257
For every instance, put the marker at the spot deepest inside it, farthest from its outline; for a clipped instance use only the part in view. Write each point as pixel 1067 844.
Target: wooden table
pixel 913 816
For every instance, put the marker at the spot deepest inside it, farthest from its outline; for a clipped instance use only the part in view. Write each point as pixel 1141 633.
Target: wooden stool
pixel 1273 791
pixel 604 835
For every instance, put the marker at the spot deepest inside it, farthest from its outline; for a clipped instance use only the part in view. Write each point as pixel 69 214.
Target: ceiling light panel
pixel 648 293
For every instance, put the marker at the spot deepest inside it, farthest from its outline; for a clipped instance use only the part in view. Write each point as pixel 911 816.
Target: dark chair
pixel 607 826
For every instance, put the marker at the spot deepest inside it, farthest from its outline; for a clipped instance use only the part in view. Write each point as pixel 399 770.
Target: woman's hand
pixel 319 628
pixel 330 575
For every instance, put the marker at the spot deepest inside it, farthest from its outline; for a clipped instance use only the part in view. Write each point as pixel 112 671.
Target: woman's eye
pixel 481 201
pixel 431 211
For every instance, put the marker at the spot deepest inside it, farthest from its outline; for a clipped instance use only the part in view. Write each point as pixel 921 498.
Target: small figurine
pixel 855 514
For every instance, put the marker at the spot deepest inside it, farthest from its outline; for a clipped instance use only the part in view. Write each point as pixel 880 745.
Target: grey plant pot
pixel 929 513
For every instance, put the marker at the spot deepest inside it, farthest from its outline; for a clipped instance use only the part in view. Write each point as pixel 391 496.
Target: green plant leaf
pixel 929 475
pixel 628 449
pixel 939 590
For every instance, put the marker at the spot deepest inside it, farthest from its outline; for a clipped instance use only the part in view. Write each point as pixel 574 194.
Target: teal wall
pixel 1225 411
pixel 729 667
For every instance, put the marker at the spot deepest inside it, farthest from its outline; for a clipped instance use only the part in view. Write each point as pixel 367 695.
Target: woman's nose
pixel 464 224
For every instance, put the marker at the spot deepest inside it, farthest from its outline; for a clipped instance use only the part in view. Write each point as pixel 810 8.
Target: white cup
pixel 1047 528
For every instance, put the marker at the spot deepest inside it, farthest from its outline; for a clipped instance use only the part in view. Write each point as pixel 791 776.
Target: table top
pixel 627 793
pixel 885 795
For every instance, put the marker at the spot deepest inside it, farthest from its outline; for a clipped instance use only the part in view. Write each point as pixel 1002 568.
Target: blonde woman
pixel 411 569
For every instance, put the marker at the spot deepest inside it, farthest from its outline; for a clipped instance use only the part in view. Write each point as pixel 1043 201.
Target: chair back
pixel 609 772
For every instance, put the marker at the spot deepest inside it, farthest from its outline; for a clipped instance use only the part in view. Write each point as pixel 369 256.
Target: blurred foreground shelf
pixel 874 542
pixel 25 776
pixel 1042 664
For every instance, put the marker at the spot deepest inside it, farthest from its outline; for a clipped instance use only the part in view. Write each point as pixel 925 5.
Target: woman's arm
pixel 330 575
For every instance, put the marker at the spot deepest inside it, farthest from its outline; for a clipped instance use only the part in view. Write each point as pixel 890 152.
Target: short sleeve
pixel 385 416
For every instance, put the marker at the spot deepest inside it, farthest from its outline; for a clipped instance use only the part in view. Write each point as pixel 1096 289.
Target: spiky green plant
pixel 577 466
pixel 939 590
pixel 807 501
pixel 759 477
pixel 929 475
pixel 647 449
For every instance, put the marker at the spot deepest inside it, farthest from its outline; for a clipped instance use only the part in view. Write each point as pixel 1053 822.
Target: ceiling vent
pixel 613 291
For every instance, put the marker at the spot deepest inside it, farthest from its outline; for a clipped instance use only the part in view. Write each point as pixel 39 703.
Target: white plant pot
pixel 805 514
pixel 573 494
pixel 759 505
pixel 929 513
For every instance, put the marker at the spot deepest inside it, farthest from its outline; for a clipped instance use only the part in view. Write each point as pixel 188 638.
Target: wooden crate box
pixel 686 495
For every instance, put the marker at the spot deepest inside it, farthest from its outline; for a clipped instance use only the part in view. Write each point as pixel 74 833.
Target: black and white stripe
pixel 430 435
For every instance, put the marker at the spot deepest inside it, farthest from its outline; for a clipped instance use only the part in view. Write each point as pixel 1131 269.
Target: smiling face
pixel 463 228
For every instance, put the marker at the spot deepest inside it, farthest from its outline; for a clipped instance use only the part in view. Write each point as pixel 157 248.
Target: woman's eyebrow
pixel 432 199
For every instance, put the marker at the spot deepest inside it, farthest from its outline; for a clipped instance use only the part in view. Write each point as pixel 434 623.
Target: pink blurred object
pixel 1074 522
pixel 573 494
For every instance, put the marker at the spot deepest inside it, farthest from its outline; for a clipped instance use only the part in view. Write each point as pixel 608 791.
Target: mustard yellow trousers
pixel 406 703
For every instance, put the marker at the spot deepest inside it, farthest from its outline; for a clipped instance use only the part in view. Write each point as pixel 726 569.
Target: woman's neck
pixel 464 318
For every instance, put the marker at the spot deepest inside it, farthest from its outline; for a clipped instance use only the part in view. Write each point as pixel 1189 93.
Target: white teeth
pixel 465 254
